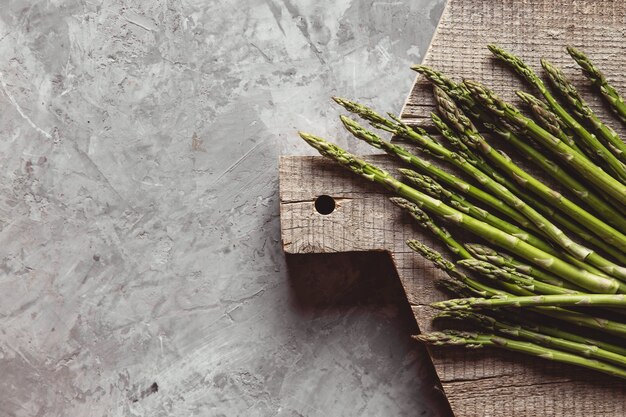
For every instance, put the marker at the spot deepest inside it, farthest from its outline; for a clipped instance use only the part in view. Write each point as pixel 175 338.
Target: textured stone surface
pixel 141 271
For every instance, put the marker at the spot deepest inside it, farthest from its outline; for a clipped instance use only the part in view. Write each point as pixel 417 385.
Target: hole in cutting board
pixel 325 204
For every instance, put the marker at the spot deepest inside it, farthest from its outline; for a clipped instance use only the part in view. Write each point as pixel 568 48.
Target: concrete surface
pixel 141 271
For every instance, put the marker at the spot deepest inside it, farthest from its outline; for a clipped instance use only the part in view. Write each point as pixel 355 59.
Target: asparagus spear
pixel 585 168
pixel 600 81
pixel 437 78
pixel 553 300
pixel 487 254
pixel 522 331
pixel 455 116
pixel 517 279
pixel 493 272
pixel 455 287
pixel 582 278
pixel 417 135
pixel 427 223
pixel 548 120
pixel 563 334
pixel 479 340
pixel 580 108
pixel 584 320
pixel 451 270
pixel 463 150
pixel 589 139
pixel 573 317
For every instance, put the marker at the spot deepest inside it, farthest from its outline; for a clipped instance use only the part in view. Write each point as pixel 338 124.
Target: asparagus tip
pixel 547 65
pixel 495 49
pixel 351 125
pixel 474 86
pixel 573 51
pixel 399 201
pixel 435 118
pixel 316 142
pixel 351 106
pixel 307 136
pixel 345 119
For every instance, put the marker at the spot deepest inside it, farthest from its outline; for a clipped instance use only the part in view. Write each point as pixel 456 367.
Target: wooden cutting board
pixel 483 382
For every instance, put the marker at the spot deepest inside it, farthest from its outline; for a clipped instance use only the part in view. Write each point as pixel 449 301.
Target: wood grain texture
pixel 531 29
pixel 477 383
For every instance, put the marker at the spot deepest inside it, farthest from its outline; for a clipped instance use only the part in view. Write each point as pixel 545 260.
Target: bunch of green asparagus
pixel 549 277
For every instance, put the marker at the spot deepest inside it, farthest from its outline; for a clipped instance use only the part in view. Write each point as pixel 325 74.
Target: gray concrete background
pixel 141 271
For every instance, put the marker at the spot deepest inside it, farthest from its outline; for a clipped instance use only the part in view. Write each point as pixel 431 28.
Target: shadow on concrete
pixel 340 282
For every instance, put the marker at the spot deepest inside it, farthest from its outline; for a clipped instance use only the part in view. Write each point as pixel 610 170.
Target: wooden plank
pixel 476 383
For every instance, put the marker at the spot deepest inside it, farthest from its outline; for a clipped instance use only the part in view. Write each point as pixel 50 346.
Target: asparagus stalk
pixel 521 331
pixel 506 262
pixel 455 287
pixel 493 272
pixel 600 81
pixel 581 164
pixel 589 139
pixel 427 223
pixel 553 300
pixel 582 278
pixel 530 285
pixel 563 334
pixel 437 79
pixel 479 340
pixel 548 120
pixel 419 137
pixel 451 270
pixel 463 150
pixel 527 285
pixel 580 108
pixel 454 115
pixel 573 317
pixel 584 320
